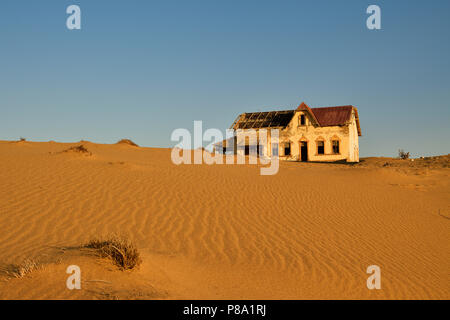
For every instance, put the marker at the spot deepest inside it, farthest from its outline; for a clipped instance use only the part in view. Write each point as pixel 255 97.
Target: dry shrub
pixel 26 267
pixel 121 250
pixel 127 141
pixel 403 155
pixel 78 149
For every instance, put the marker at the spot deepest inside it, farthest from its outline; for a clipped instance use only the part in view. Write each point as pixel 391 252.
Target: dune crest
pixel 127 142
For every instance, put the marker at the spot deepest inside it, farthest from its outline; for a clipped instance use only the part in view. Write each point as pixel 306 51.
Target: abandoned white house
pixel 305 134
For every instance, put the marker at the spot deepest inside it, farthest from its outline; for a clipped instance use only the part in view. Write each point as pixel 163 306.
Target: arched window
pixel 335 145
pixel 287 148
pixel 320 146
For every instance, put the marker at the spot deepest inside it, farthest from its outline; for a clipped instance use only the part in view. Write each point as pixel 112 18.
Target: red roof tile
pixel 333 116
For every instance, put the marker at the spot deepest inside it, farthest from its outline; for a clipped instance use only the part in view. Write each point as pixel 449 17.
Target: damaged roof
pixel 323 117
pixel 332 116
pixel 256 120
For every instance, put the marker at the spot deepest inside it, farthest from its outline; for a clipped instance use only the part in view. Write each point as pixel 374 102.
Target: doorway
pixel 304 151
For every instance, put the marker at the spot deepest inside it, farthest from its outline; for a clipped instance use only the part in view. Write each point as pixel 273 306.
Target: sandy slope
pixel 215 232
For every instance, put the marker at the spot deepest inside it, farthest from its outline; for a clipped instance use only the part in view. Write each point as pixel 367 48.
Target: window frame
pixel 323 146
pixel 285 144
pixel 333 141
pixel 302 117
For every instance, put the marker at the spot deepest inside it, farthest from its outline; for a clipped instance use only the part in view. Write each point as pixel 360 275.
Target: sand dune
pixel 221 231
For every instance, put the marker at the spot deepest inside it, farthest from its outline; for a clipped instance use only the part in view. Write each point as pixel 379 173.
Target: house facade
pixel 305 134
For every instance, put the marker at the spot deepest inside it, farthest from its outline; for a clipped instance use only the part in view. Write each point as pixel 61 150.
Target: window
pixel 275 149
pixel 287 149
pixel 302 120
pixel 259 150
pixel 335 146
pixel 320 147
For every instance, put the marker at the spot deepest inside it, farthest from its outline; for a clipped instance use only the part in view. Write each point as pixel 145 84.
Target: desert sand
pixel 221 231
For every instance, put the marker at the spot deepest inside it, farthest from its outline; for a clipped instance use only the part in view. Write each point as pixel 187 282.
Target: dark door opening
pixel 304 151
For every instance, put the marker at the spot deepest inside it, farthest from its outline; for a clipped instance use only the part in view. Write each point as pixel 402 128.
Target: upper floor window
pixel 335 146
pixel 320 147
pixel 302 120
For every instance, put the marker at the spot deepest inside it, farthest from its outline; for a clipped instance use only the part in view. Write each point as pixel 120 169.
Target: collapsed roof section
pixel 257 120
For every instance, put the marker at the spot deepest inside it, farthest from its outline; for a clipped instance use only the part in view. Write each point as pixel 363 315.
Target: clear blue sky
pixel 139 69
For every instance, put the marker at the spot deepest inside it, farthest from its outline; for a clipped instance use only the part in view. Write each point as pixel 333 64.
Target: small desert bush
pixel 121 250
pixel 26 267
pixel 22 139
pixel 403 155
pixel 78 149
